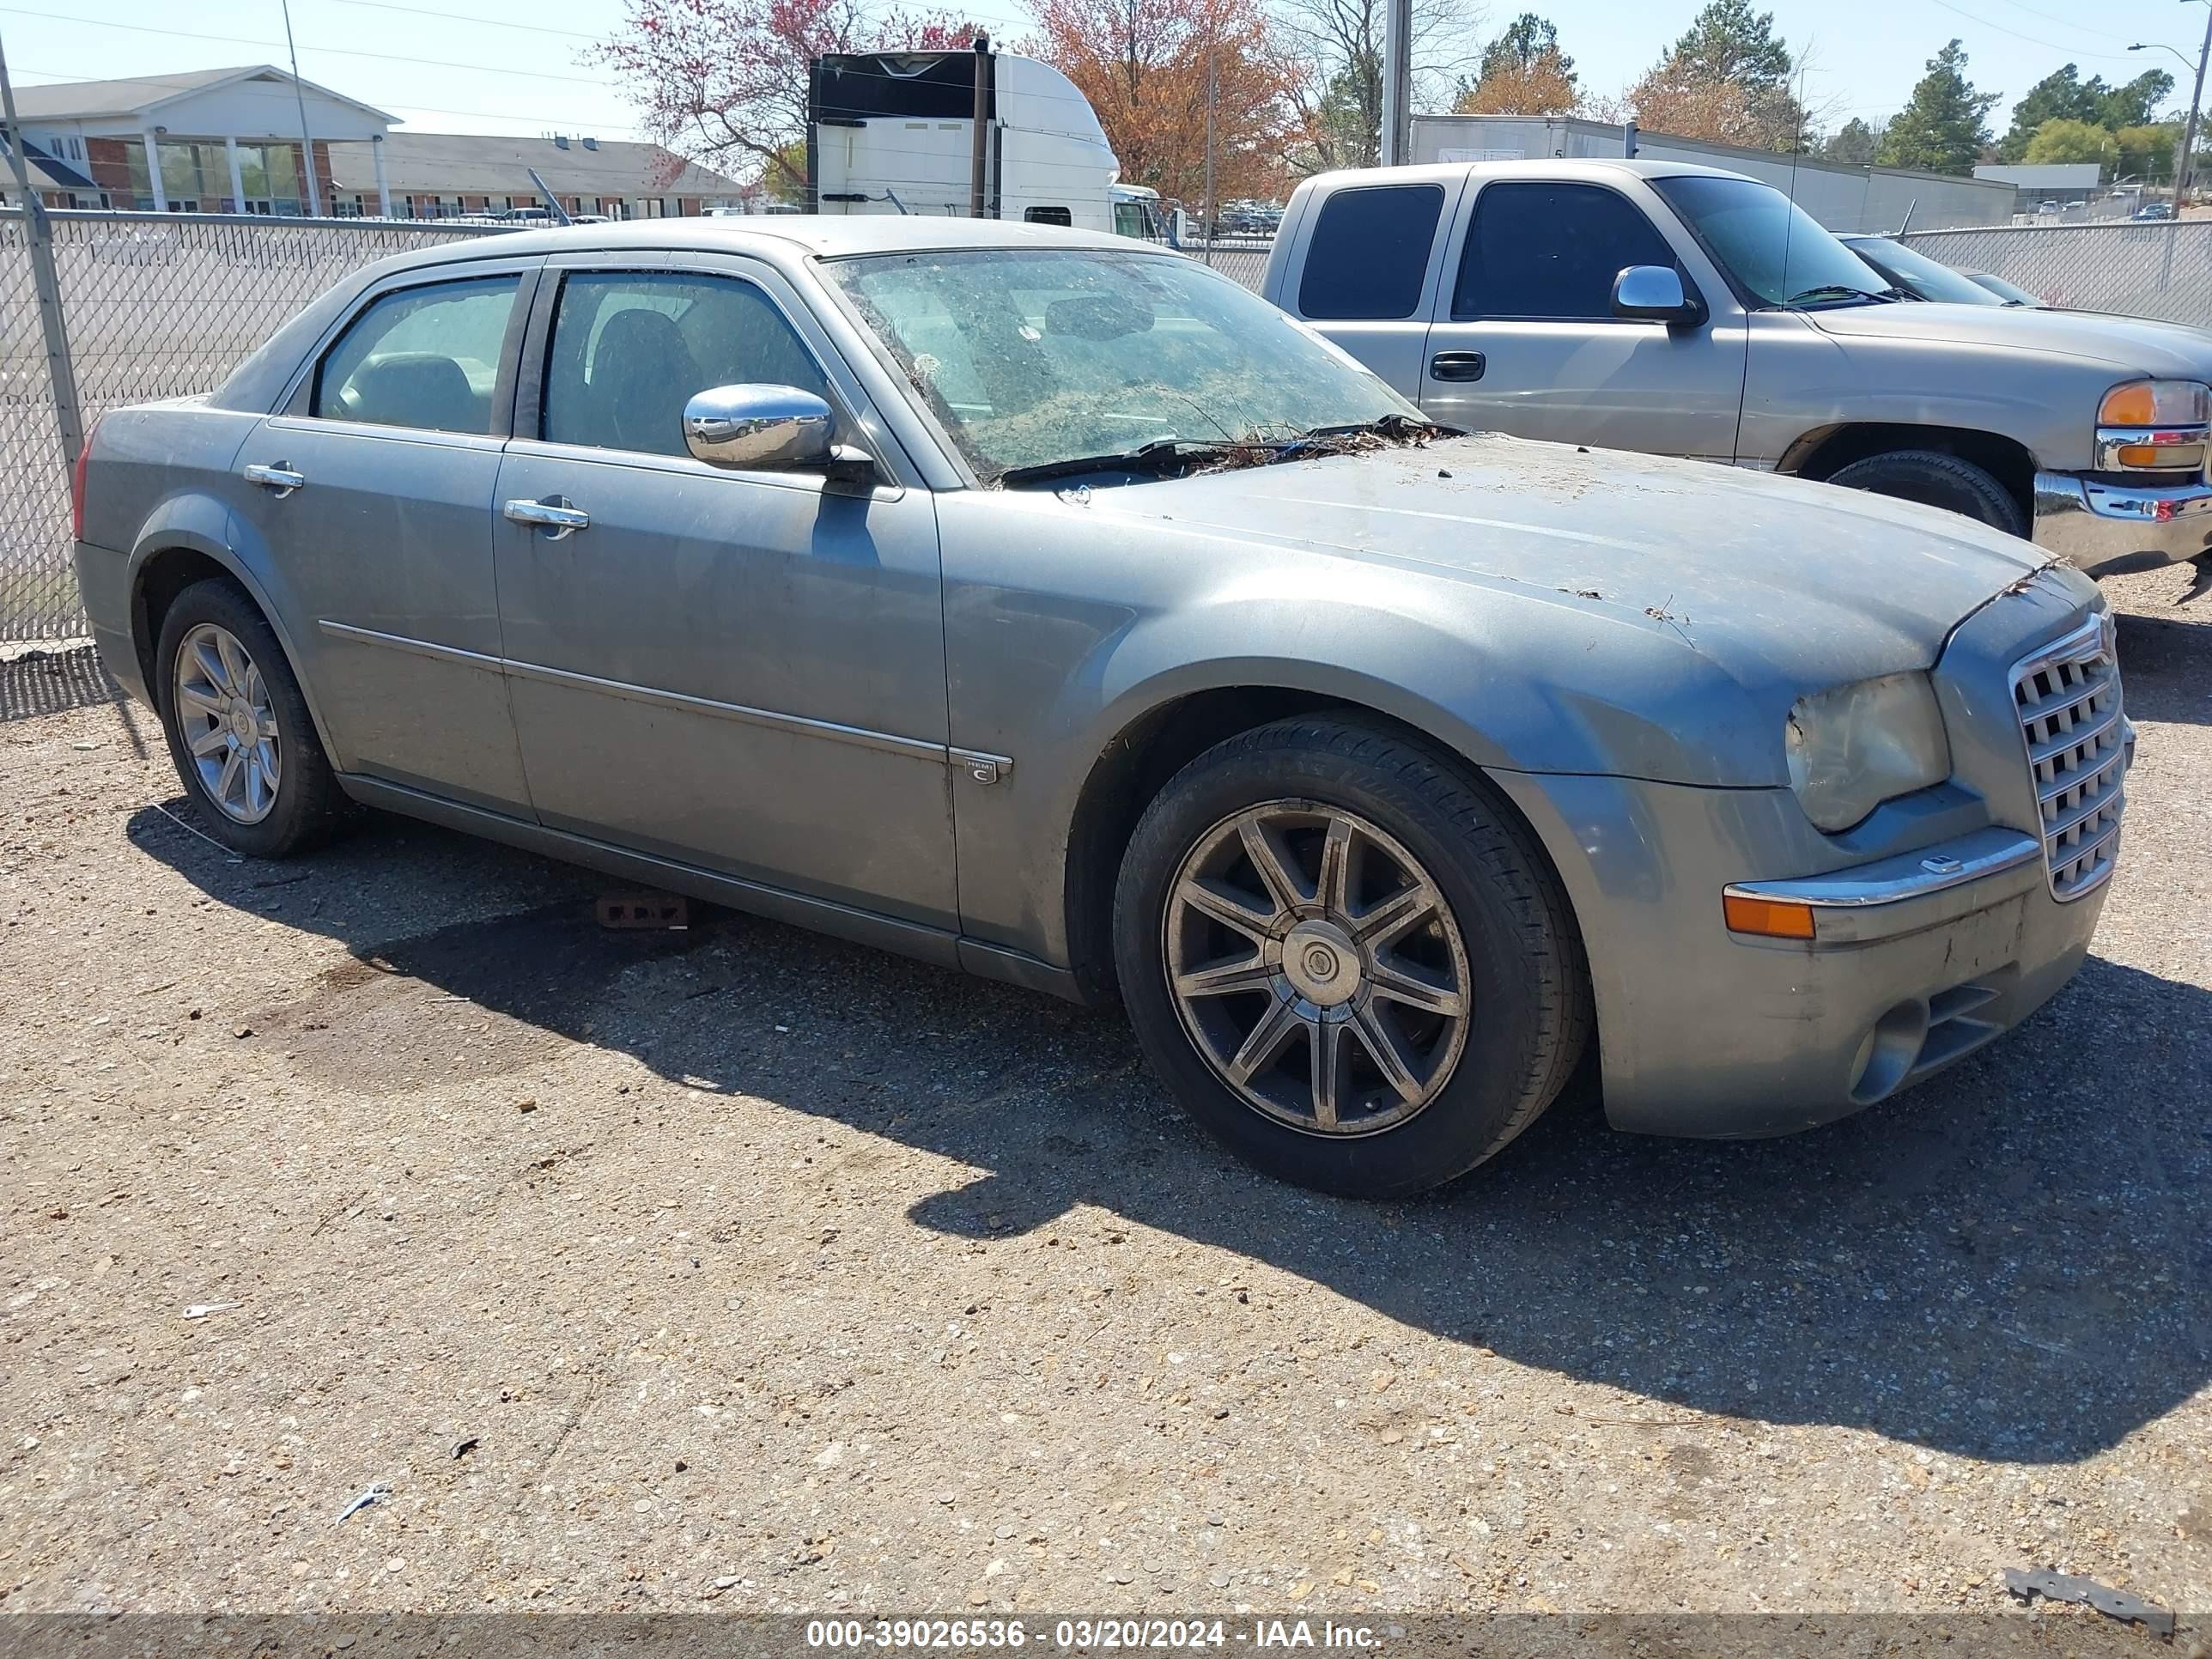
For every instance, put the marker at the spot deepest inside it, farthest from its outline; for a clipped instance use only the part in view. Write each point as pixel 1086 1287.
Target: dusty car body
pixel 1372 771
pixel 1684 311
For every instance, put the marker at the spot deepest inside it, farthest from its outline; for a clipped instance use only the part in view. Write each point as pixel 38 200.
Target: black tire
pixel 309 806
pixel 1935 479
pixel 1528 994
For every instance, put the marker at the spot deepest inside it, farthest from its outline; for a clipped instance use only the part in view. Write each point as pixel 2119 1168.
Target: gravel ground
pixel 741 1269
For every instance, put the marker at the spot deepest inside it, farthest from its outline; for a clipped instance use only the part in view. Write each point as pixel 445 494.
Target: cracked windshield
pixel 1043 361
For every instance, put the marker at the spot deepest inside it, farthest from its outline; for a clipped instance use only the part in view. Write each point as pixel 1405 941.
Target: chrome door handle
pixel 554 515
pixel 1457 366
pixel 279 477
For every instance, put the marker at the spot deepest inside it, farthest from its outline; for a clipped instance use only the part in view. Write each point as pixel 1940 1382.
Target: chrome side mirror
pixel 1654 294
pixel 760 428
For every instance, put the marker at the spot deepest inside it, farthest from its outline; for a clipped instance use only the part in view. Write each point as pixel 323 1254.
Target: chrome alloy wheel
pixel 228 724
pixel 1317 968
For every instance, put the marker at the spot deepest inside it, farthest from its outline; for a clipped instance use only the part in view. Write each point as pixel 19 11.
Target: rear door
pixel 1368 261
pixel 1524 339
pixel 367 504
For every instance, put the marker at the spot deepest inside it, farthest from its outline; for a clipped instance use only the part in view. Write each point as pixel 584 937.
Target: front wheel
pixel 1347 959
pixel 1936 479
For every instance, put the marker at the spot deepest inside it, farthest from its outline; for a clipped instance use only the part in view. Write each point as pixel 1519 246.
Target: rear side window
pixel 422 357
pixel 630 349
pixel 1369 251
pixel 1552 251
pixel 1047 215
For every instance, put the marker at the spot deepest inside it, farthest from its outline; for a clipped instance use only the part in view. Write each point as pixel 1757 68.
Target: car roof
pixel 1589 167
pixel 826 236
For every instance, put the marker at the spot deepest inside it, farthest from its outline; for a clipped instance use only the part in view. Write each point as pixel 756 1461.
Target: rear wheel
pixel 1934 478
pixel 1347 959
pixel 238 726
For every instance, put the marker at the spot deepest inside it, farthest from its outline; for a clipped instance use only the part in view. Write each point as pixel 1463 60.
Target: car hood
pixel 2130 345
pixel 1780 583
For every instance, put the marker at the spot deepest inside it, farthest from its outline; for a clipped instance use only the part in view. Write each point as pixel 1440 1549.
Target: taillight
pixel 76 483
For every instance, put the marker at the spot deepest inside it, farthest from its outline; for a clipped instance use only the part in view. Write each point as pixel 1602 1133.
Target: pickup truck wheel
pixel 1348 960
pixel 1936 479
pixel 238 726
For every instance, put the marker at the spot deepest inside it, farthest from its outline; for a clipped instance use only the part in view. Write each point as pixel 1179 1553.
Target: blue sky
pixel 504 66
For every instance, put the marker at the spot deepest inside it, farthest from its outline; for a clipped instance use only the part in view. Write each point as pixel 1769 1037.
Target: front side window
pixel 1552 251
pixel 630 348
pixel 1033 357
pixel 424 357
pixel 1368 252
pixel 1777 253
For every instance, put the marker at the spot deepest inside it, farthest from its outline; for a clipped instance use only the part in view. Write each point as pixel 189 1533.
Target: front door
pixel 740 670
pixel 1524 339
pixel 370 497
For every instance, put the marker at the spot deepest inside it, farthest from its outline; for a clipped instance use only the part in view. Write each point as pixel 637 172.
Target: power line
pixel 283 95
pixel 2033 40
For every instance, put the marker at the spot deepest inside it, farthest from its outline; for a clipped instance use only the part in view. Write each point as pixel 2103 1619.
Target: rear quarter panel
pixel 159 477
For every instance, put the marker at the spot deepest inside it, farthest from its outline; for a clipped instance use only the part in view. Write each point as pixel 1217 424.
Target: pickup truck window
pixel 1551 252
pixel 424 357
pixel 1034 356
pixel 1368 252
pixel 1776 253
pixel 630 347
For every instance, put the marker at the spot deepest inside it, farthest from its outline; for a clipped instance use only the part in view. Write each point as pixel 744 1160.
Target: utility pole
pixel 299 98
pixel 979 155
pixel 1211 216
pixel 2181 175
pixel 1397 80
pixel 38 231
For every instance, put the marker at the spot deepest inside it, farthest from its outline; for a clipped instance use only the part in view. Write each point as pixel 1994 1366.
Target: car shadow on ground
pixel 2009 1262
pixel 2162 663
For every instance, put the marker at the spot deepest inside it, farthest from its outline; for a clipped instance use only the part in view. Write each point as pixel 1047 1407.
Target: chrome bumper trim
pixel 1907 877
pixel 2103 529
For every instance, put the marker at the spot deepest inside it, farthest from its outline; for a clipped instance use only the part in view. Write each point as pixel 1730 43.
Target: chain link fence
pixel 2162 270
pixel 156 305
pixel 1244 260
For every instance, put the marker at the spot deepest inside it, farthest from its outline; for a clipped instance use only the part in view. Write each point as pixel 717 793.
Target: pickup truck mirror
pixel 770 428
pixel 1654 294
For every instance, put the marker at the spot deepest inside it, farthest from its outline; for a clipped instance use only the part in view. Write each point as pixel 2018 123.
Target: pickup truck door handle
pixel 555 515
pixel 279 477
pixel 1457 366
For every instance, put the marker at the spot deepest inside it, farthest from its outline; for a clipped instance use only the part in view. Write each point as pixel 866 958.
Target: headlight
pixel 2152 426
pixel 2156 403
pixel 1856 746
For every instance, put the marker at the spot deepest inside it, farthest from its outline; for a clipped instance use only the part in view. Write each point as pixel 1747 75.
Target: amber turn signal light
pixel 1768 918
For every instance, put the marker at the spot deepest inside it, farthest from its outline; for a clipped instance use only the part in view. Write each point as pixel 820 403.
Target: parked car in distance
pixel 1045 604
pixel 2048 210
pixel 1685 311
pixel 2011 292
pixel 1919 275
pixel 2155 210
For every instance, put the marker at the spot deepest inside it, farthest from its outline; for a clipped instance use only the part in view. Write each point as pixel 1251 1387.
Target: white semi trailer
pixel 894 132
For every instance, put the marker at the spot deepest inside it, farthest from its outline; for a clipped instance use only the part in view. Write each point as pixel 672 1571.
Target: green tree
pixel 1852 144
pixel 2062 95
pixel 1523 44
pixel 1729 75
pixel 2062 140
pixel 1945 125
pixel 2147 151
pixel 2136 104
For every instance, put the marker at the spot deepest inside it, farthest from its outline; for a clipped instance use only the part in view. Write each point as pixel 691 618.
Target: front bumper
pixel 2105 530
pixel 1706 1033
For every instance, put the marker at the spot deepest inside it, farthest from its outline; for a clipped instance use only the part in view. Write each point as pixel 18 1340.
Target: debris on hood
pixel 2112 1603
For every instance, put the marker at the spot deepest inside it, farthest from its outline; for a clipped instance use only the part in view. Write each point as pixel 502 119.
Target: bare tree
pixel 1337 47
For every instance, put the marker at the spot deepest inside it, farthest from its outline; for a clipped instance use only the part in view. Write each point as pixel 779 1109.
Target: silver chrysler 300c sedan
pixel 1053 608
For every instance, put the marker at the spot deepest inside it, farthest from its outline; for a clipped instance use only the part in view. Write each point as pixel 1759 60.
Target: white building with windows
pixel 199 141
